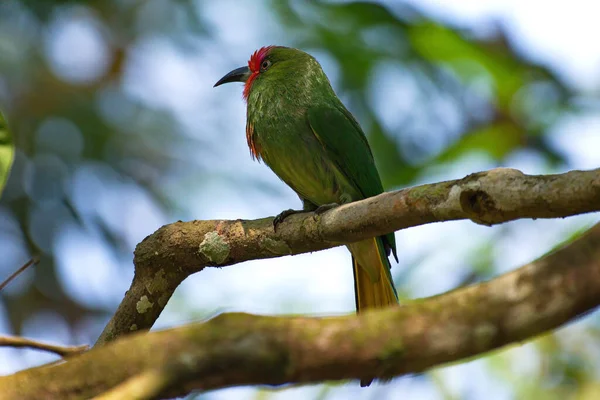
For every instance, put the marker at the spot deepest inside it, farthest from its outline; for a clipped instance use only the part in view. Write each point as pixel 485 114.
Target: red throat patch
pixel 254 64
pixel 254 147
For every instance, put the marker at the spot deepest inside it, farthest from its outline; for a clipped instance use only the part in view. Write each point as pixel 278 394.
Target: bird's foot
pixel 283 215
pixel 286 213
pixel 325 207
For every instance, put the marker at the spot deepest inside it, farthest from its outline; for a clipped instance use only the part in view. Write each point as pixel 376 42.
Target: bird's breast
pixel 289 147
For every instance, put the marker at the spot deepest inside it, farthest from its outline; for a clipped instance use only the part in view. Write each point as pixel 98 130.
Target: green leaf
pixel 7 152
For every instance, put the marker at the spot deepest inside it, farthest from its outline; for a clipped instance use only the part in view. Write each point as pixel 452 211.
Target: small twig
pixel 34 261
pixel 63 351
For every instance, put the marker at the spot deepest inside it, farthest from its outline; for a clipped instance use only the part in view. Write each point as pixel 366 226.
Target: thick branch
pixel 238 349
pixel 165 258
pixel 147 385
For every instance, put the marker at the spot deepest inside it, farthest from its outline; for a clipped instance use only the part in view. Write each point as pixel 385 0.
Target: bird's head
pixel 271 64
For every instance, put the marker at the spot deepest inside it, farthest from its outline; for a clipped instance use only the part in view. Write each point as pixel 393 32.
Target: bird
pixel 297 125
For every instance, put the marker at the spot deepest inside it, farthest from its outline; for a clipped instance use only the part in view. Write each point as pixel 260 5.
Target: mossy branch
pixel 242 349
pixel 175 251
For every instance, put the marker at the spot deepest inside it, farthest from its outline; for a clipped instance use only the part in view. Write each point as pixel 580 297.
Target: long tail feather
pixel 373 285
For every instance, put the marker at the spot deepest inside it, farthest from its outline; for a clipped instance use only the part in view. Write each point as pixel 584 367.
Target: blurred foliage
pixel 7 152
pixel 99 134
pixel 84 143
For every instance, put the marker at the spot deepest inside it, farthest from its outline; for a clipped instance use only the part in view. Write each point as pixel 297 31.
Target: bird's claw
pixel 283 215
pixel 286 213
pixel 325 207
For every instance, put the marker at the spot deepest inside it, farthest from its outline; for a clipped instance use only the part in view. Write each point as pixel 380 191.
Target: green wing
pixel 347 146
pixel 7 152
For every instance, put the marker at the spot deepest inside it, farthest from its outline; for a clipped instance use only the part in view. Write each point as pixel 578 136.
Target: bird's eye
pixel 264 65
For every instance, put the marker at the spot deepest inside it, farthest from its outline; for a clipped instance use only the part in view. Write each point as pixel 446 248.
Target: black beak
pixel 237 75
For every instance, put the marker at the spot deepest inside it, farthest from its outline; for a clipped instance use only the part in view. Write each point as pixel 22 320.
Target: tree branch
pixel 241 349
pixel 34 261
pixel 165 258
pixel 63 351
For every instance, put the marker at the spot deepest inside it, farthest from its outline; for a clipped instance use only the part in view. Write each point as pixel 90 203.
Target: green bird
pixel 299 127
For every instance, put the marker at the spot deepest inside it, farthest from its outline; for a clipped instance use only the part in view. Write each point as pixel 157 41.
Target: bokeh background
pixel 119 131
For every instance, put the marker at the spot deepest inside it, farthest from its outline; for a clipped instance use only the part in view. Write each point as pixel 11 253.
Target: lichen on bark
pixel 215 248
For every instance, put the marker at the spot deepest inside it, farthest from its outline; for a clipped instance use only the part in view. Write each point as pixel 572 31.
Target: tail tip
pixel 366 382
